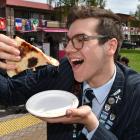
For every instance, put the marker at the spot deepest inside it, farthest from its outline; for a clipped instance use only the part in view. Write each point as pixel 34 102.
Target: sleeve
pixel 88 134
pixel 102 133
pixel 132 130
pixel 16 90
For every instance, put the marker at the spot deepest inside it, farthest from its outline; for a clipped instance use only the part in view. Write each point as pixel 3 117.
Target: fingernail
pixel 17 52
pixel 69 112
pixel 14 43
pixel 18 57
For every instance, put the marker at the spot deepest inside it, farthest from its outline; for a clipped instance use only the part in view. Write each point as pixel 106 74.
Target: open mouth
pixel 76 62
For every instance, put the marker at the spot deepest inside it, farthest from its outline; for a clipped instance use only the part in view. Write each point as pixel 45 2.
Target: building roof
pixel 22 3
pixel 126 17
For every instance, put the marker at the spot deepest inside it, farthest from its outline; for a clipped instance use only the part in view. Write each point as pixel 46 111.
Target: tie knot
pixel 88 96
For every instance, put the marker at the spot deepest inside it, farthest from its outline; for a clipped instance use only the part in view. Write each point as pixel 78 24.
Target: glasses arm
pixel 95 37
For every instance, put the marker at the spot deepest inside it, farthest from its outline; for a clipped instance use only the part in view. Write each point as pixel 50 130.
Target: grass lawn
pixel 133 56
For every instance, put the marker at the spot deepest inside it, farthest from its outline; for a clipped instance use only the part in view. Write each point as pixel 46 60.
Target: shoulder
pixel 65 68
pixel 131 77
pixel 64 64
pixel 64 60
pixel 133 85
pixel 129 74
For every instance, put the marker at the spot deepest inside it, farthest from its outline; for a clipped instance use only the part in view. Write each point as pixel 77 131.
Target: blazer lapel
pixel 111 108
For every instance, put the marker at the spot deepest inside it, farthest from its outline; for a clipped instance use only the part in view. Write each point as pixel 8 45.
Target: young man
pixel 94 38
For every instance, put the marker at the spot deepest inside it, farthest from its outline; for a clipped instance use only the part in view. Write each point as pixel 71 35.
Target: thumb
pixel 79 112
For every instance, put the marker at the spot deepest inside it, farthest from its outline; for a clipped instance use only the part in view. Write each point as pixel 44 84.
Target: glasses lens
pixel 78 41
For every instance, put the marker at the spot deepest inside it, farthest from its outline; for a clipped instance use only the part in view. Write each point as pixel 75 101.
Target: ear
pixel 111 46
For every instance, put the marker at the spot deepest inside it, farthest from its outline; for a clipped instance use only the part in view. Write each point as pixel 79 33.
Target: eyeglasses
pixel 79 39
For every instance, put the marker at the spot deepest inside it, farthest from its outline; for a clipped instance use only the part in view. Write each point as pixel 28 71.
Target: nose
pixel 69 47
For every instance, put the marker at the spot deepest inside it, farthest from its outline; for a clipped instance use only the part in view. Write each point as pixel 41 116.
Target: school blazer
pixel 119 118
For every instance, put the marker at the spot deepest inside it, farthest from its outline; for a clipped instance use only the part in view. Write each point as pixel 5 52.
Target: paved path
pixel 22 127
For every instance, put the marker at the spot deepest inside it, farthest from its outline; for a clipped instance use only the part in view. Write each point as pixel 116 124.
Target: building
pixel 130 27
pixel 34 22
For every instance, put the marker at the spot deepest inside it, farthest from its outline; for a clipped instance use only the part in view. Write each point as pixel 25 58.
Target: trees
pixel 63 6
pixel 99 3
pixel 69 3
pixel 137 14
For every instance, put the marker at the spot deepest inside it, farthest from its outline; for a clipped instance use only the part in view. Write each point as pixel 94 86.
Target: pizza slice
pixel 31 57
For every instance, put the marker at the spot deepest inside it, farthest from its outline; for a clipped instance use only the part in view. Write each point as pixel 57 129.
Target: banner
pixel 2 24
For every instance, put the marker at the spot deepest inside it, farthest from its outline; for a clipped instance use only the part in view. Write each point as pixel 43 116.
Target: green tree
pixel 63 6
pixel 69 3
pixel 137 14
pixel 99 3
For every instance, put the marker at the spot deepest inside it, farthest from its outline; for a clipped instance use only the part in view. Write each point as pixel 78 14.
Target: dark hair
pixel 125 60
pixel 109 23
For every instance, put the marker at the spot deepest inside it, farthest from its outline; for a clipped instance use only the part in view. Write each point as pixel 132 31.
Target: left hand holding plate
pixel 82 115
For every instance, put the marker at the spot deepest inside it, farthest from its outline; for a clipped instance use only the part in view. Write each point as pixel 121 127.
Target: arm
pixel 132 121
pixel 103 134
pixel 17 90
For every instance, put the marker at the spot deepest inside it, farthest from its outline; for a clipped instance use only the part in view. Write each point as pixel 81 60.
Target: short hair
pixel 125 60
pixel 109 23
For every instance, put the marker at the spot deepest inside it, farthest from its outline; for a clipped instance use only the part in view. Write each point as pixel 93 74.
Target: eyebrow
pixel 75 35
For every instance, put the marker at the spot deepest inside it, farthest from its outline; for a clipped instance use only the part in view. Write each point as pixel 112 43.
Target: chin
pixel 79 79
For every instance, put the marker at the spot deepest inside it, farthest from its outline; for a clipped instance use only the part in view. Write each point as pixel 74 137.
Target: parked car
pixel 128 44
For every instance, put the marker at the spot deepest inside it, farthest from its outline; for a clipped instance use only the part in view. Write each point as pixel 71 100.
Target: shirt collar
pixel 102 91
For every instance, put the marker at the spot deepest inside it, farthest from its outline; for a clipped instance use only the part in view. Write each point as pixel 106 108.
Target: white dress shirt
pixel 98 102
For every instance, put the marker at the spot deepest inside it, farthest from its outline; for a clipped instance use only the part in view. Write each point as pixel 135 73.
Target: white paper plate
pixel 51 103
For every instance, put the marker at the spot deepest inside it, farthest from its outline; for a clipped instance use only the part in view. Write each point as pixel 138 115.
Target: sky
pixel 122 6
pixel 117 6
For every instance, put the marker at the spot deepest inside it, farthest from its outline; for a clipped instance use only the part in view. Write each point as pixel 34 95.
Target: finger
pixel 7 66
pixel 64 120
pixel 9 49
pixel 72 115
pixel 7 40
pixel 56 119
pixel 79 112
pixel 10 57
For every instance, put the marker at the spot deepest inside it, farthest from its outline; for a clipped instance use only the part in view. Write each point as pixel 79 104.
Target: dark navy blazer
pixel 125 90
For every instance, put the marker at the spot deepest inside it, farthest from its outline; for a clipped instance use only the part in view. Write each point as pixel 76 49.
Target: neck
pixel 103 76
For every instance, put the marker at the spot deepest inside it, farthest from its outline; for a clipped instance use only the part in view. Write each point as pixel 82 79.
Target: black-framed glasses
pixel 79 39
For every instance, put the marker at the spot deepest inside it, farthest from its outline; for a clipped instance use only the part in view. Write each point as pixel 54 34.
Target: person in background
pixel 124 60
pixel 89 71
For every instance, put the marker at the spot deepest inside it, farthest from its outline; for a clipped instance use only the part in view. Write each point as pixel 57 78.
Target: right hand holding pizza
pixel 8 51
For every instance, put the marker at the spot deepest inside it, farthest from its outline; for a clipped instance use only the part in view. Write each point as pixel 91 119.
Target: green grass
pixel 133 56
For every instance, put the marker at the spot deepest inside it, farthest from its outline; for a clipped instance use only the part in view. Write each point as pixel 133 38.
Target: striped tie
pixel 88 97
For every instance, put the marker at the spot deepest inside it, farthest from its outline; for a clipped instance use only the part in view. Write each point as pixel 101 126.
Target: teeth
pixel 76 60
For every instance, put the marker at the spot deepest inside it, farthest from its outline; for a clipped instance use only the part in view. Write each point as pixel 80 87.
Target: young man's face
pixel 90 60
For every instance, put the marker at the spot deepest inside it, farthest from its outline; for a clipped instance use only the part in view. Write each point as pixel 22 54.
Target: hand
pixel 82 115
pixel 8 51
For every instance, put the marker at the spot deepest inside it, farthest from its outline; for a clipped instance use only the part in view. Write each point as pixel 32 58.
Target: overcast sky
pixel 122 6
pixel 117 6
